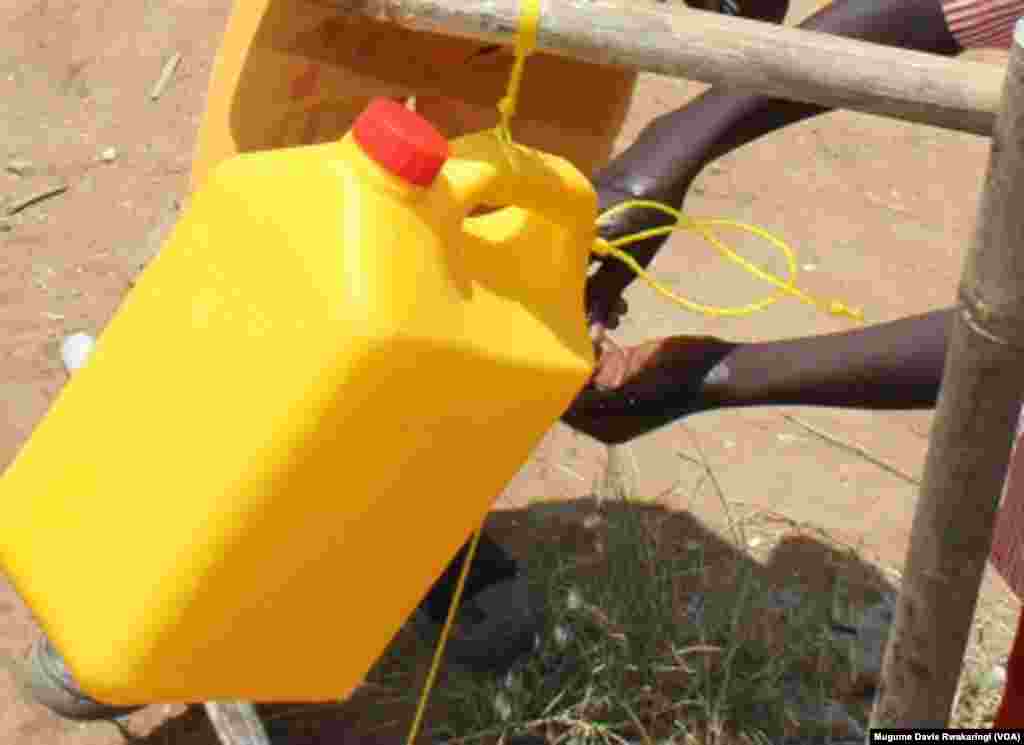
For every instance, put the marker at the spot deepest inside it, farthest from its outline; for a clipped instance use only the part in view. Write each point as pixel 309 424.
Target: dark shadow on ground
pixel 793 557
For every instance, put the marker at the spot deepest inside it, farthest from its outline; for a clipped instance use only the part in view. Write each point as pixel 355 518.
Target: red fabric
pixel 1011 710
pixel 982 23
pixel 1008 558
pixel 1007 554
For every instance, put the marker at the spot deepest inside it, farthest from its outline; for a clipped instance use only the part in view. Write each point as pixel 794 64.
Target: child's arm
pixel 896 365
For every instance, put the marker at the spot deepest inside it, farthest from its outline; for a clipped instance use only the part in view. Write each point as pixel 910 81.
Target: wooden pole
pixel 970 442
pixel 671 39
pixel 237 723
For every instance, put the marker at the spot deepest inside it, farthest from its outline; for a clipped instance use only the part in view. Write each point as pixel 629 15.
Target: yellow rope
pixel 703 228
pixel 435 664
pixel 526 42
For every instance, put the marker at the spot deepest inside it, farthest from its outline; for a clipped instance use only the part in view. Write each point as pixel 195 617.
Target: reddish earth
pixel 880 210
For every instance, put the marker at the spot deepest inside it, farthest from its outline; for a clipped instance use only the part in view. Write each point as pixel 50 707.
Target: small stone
pixel 20 167
pixel 996 677
pixel 5 226
pixel 109 155
pixel 76 350
pixel 755 542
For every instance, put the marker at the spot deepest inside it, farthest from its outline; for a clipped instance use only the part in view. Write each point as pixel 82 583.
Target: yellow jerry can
pixel 300 412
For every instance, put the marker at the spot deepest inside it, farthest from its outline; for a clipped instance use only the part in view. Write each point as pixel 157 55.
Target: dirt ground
pixel 878 211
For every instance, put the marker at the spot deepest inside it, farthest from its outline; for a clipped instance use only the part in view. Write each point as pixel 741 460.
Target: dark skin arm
pixel 673 149
pixel 896 365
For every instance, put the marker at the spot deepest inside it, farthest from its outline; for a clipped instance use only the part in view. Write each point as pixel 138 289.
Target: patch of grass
pixel 649 642
pixel 978 700
pixel 654 639
pixel 980 691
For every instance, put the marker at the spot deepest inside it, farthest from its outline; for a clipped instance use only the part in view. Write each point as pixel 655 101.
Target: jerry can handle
pixel 485 171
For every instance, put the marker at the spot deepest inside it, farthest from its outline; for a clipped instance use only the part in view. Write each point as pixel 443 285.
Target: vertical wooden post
pixel 970 442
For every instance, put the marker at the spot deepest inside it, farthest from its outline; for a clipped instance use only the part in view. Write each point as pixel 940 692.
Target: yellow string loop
pixel 703 227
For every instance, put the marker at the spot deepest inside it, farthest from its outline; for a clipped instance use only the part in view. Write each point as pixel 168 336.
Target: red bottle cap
pixel 401 141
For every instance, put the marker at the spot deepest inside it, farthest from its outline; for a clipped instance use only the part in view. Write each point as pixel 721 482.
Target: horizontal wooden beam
pixel 672 39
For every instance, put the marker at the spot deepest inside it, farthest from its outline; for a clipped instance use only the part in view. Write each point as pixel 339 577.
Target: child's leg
pixel 490 565
pixel 499 619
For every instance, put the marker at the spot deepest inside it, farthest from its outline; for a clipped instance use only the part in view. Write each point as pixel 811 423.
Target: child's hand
pixel 637 389
pixel 604 303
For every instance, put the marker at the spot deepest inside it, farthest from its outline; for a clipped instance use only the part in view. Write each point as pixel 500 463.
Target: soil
pixel 879 212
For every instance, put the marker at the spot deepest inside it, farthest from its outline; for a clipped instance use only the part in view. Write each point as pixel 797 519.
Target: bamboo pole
pixel 970 442
pixel 671 39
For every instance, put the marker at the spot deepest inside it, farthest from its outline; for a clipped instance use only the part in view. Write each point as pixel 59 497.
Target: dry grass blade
pixel 609 626
pixel 554 702
pixel 165 76
pixel 569 472
pixel 853 448
pixel 644 734
pixel 737 531
pixel 695 649
pixel 35 197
